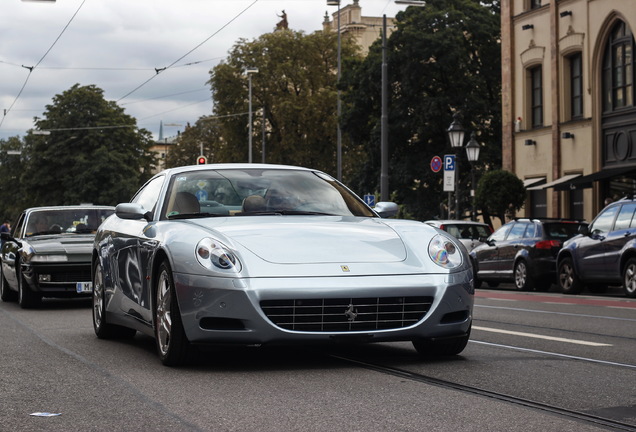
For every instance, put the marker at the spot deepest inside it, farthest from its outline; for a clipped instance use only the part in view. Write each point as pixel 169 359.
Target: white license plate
pixel 83 287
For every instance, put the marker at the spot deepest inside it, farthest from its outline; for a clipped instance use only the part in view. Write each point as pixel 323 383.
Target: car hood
pixel 62 244
pixel 314 239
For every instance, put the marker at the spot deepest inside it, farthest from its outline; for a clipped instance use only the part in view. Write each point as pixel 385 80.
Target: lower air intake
pixel 346 314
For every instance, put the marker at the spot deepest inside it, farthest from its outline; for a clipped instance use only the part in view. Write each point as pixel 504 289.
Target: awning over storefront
pixel 554 183
pixel 533 181
pixel 586 181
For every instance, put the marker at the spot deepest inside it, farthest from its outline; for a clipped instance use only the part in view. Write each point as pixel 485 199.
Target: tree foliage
pixel 94 152
pixel 500 193
pixel 194 141
pixel 441 58
pixel 295 85
pixel 11 191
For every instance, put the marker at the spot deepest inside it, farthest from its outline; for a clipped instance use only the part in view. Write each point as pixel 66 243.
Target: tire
pixel 523 281
pixel 173 346
pixel 569 282
pixel 442 347
pixel 102 328
pixel 6 293
pixel 629 278
pixel 27 299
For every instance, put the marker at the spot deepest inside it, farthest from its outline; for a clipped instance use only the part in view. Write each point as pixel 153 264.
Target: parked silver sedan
pixel 266 254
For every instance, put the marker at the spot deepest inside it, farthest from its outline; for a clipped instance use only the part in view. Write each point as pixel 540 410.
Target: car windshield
pixel 562 230
pixel 57 221
pixel 251 192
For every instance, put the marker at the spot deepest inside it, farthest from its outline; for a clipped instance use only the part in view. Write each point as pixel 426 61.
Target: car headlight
pixel 49 258
pixel 444 252
pixel 214 255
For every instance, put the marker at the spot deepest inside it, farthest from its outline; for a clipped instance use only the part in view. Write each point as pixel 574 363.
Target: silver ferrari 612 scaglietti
pixel 268 254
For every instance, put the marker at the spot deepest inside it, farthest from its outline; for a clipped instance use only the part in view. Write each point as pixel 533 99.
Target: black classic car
pixel 48 253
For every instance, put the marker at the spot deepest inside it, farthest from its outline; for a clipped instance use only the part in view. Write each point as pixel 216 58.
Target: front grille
pixel 71 276
pixel 346 314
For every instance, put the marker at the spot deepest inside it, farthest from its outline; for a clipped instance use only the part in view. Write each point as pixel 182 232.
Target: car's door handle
pixel 627 234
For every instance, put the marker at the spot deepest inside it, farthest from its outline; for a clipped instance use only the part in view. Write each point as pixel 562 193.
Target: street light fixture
pixel 456 137
pixel 339 103
pixel 249 73
pixel 472 152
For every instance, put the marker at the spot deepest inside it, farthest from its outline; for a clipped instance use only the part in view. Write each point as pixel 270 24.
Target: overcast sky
pixel 117 45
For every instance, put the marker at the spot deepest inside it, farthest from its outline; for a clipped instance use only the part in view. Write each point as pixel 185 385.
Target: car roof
pixel 225 166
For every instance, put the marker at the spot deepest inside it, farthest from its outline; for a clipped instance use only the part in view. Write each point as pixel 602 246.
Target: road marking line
pixel 554 354
pixel 532 335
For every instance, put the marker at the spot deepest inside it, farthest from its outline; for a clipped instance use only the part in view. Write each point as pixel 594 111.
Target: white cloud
pixel 117 44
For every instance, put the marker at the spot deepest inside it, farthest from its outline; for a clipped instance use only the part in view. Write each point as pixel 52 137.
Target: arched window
pixel 618 69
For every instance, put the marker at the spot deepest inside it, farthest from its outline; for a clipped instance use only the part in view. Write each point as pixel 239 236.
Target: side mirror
pixel 386 209
pixel 584 230
pixel 132 211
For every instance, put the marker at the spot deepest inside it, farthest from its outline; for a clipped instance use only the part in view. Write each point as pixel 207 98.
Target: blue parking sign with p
pixel 449 162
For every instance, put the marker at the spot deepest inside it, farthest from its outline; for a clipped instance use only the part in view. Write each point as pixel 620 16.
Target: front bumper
pixel 225 310
pixel 57 280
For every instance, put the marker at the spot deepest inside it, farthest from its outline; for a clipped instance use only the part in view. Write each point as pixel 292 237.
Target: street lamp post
pixel 249 73
pixel 456 137
pixel 472 152
pixel 339 103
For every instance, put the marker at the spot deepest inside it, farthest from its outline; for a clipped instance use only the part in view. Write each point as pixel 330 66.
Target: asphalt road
pixel 536 362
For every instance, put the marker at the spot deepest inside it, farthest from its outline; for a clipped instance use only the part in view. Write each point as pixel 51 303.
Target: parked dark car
pixel 603 254
pixel 48 253
pixel 523 251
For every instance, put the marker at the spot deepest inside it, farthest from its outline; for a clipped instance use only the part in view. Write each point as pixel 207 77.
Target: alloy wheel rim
pixel 566 276
pixel 164 320
pixel 520 275
pixel 630 279
pixel 98 298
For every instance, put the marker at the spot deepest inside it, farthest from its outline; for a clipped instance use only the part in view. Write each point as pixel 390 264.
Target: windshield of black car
pixel 65 220
pixel 258 192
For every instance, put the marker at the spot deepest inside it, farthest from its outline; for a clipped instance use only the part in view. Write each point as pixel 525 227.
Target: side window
pixel 149 193
pixel 604 221
pixel 530 231
pixel 517 231
pixel 500 234
pixel 17 229
pixel 625 217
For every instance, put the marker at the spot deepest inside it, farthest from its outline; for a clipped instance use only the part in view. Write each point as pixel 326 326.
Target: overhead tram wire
pixel 159 70
pixel 8 110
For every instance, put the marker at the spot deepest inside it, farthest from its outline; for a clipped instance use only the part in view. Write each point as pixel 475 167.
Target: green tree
pixel 11 191
pixel 204 134
pixel 94 152
pixel 499 193
pixel 295 84
pixel 441 58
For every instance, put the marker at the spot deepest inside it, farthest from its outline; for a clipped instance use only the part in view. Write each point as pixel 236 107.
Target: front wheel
pixel 441 347
pixel 103 329
pixel 569 282
pixel 172 344
pixel 629 278
pixel 27 299
pixel 6 293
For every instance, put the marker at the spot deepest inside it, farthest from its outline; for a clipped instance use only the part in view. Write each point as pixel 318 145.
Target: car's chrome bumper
pixel 225 310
